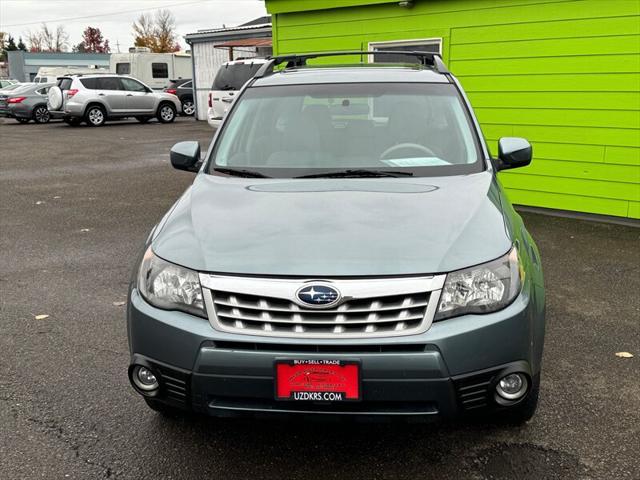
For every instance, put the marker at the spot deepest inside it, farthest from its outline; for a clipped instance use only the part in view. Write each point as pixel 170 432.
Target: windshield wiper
pixel 358 173
pixel 239 172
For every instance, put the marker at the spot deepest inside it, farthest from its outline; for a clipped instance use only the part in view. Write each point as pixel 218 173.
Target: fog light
pixel 144 379
pixel 512 386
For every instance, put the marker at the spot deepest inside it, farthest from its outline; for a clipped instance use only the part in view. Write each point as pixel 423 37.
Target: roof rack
pixel 431 59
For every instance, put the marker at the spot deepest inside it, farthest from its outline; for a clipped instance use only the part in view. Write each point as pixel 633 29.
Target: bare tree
pixel 48 40
pixel 34 40
pixel 158 33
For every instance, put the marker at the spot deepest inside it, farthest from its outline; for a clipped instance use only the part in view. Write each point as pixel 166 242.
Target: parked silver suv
pixel 98 98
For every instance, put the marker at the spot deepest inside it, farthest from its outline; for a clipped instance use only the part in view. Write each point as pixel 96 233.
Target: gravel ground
pixel 77 203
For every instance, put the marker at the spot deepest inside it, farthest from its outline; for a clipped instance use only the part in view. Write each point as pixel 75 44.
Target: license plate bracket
pixel 317 380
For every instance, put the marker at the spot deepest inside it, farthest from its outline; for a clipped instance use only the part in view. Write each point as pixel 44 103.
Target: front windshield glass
pixel 298 130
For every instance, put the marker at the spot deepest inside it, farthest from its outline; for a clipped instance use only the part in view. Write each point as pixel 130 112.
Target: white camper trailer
pixel 51 74
pixel 154 69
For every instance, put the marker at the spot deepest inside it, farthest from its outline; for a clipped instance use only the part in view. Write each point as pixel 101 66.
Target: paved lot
pixel 76 203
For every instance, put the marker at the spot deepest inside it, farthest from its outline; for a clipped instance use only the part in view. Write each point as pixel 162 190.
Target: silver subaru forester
pixel 95 99
pixel 346 248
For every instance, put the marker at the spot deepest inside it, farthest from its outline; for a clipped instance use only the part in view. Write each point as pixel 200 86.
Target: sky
pixel 114 17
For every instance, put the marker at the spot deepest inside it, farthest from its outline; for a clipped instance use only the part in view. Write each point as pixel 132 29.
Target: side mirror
pixel 186 156
pixel 513 152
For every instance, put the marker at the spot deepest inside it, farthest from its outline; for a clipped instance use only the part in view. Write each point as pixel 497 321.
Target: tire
pixel 188 107
pixel 72 122
pixel 23 120
pixel 522 412
pixel 166 113
pixel 163 409
pixel 143 119
pixel 41 114
pixel 95 116
pixel 54 97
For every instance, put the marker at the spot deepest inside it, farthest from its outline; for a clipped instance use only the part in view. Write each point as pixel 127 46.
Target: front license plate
pixel 317 380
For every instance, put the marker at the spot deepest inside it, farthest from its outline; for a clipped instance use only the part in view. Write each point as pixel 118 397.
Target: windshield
pixel 298 130
pixel 234 76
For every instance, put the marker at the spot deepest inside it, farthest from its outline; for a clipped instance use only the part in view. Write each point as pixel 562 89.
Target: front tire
pixel 166 113
pixel 188 107
pixel 41 114
pixel 95 116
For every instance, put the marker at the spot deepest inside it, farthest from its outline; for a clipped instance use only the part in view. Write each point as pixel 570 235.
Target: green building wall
pixel 563 73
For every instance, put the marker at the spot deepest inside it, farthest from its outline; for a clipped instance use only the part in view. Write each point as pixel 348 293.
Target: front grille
pixel 367 307
pixel 391 314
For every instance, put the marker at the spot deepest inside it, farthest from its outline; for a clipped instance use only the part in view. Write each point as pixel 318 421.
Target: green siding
pixel 563 73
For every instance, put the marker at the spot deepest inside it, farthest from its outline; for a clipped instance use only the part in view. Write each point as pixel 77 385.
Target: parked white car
pixel 230 78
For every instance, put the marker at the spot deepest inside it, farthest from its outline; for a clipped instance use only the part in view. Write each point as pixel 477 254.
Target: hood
pixel 335 227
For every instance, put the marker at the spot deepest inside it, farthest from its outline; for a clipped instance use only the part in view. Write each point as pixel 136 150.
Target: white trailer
pixel 154 69
pixel 51 74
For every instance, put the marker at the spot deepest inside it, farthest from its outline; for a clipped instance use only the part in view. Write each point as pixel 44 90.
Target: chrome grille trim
pixel 380 307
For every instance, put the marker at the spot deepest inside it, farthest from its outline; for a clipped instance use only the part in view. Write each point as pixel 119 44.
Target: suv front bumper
pixel 448 370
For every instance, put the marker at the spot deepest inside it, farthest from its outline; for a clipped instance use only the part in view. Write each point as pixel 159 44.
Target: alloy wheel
pixel 96 117
pixel 188 107
pixel 41 115
pixel 166 113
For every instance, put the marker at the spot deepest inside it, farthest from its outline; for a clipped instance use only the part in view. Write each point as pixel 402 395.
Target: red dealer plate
pixel 317 380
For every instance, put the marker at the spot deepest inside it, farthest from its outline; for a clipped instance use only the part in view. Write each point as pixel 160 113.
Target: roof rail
pixel 431 59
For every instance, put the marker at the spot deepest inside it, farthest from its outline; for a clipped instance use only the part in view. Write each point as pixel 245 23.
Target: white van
pixel 51 74
pixel 153 69
pixel 230 78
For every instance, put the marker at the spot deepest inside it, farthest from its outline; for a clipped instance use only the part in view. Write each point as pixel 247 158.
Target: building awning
pixel 245 42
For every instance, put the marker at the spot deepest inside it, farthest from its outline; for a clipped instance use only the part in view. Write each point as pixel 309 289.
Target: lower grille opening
pixel 474 392
pixel 277 347
pixel 175 385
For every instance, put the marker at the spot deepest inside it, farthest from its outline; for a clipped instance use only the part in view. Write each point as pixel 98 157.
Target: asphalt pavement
pixel 75 206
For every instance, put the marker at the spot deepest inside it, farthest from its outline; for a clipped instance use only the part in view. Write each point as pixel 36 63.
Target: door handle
pixel 129 94
pixel 101 94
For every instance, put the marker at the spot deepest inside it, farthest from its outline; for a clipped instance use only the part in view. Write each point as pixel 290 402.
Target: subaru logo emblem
pixel 318 296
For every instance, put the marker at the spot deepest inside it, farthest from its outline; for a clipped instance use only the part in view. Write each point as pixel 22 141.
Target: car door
pixel 138 97
pixel 110 91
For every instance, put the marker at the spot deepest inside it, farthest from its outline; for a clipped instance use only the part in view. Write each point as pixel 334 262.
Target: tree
pixel 92 42
pixel 21 45
pixel 158 33
pixel 9 46
pixel 48 40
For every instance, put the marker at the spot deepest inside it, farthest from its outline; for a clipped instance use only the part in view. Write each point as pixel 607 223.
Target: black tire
pixel 72 122
pixel 23 120
pixel 163 409
pixel 95 116
pixel 188 107
pixel 143 119
pixel 523 411
pixel 41 114
pixel 166 113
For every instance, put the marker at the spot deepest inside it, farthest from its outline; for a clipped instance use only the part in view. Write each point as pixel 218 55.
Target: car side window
pixel 186 85
pixel 132 85
pixel 160 70
pixel 108 83
pixel 42 91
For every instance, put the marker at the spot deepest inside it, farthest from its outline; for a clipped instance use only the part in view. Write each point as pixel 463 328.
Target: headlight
pixel 481 289
pixel 168 286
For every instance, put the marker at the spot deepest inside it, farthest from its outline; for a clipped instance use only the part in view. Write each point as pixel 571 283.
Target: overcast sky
pixel 114 17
